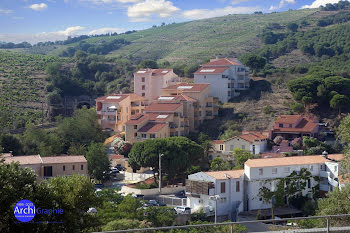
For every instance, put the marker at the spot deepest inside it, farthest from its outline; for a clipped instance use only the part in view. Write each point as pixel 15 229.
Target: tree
pixel 293 27
pixel 254 62
pixel 219 164
pixel 241 156
pixel 160 216
pixel 125 224
pixel 339 101
pixel 10 143
pixel 180 154
pixel 130 208
pixel 98 161
pixel 148 64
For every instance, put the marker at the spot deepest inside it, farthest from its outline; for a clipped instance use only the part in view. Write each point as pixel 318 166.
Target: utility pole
pixel 160 173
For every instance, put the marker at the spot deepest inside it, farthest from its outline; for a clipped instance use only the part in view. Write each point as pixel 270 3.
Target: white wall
pixel 218 85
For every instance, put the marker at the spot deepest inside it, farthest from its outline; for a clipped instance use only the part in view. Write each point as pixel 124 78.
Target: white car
pixel 182 210
pixel 92 210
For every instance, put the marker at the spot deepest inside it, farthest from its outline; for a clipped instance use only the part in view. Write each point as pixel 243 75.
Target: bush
pixel 297 107
pixel 146 186
pixel 268 109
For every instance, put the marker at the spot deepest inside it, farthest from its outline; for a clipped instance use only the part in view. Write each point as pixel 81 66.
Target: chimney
pixel 11 153
pixel 325 154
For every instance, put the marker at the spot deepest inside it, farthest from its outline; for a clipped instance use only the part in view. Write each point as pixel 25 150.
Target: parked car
pixel 120 167
pixel 181 194
pixel 99 186
pixel 138 196
pixel 182 210
pixel 92 210
pixel 155 203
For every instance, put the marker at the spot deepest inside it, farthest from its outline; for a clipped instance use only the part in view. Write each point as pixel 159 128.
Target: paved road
pixel 253 227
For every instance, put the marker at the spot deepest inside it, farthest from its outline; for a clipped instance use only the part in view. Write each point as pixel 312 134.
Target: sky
pixel 50 20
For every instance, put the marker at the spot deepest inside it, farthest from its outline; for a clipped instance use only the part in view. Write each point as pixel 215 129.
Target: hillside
pixel 198 40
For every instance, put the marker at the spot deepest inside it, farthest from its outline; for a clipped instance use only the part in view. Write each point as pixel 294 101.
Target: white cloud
pixel 43 36
pixel 282 4
pixel 99 2
pixel 318 3
pixel 5 11
pixel 106 30
pixel 234 2
pixel 207 13
pixel 142 11
pixel 38 7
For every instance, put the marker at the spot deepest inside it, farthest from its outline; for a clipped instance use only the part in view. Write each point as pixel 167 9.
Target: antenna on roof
pixel 325 154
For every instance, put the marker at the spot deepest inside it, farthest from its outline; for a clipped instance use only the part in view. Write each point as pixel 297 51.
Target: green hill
pixel 198 40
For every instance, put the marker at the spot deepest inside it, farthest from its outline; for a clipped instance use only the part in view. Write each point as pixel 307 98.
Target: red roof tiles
pixel 222 62
pixel 188 87
pixel 211 70
pixel 152 127
pixel 251 137
pixel 288 119
pixel 163 107
pixel 305 125
pixel 154 72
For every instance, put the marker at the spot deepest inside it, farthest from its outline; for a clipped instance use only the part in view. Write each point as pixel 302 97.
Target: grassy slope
pixel 201 39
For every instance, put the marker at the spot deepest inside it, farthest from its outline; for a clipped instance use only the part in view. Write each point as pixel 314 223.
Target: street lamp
pixel 215 197
pixel 160 173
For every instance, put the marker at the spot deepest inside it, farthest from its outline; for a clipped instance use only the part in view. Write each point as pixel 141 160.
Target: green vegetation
pixel 219 164
pixel 241 156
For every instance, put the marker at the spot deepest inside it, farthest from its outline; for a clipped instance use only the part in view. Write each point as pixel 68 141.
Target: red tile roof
pixel 113 98
pixel 211 70
pixel 155 72
pixel 224 175
pixel 271 155
pixel 306 125
pixel 152 127
pixel 64 159
pixel 222 62
pixel 187 98
pixel 116 157
pixel 288 119
pixel 251 137
pixel 163 107
pixel 159 116
pixel 218 141
pixel 192 87
pixel 135 119
pixel 23 159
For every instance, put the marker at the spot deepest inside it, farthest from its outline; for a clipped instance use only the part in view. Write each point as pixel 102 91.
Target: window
pixel 82 167
pixel 229 85
pixel 135 126
pixel 223 187
pixel 143 79
pixel 143 135
pixel 323 167
pixel 48 171
pixel 274 170
pixel 73 167
pixel 311 167
pixel 143 87
pixel 243 147
pixel 231 147
pixel 221 147
pixel 135 134
pixel 308 183
pixel 205 76
pixel 290 126
pixel 143 94
pixel 229 93
pixel 335 168
pixel 237 186
pixel 287 169
pixel 280 125
pixel 261 171
pixel 152 136
pixel 64 168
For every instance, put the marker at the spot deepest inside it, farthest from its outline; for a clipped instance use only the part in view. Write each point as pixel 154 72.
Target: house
pixel 254 142
pixel 238 190
pixel 267 172
pixel 226 76
pixel 149 82
pixel 115 110
pixel 51 166
pixel 294 126
pixel 203 188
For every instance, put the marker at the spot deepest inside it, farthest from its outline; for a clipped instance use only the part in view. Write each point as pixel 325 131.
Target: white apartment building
pixel 227 186
pixel 148 83
pixel 226 76
pixel 260 173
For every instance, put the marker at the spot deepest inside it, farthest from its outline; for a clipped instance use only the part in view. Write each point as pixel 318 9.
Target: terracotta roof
pixel 288 119
pixel 159 116
pixel 23 159
pixel 223 175
pixel 135 119
pixel 336 157
pixel 222 62
pixel 305 125
pixel 218 141
pixel 187 98
pixel 286 161
pixel 271 155
pixel 116 157
pixel 154 72
pixel 251 137
pixel 134 97
pixel 113 98
pixel 188 87
pixel 211 70
pixel 64 159
pixel 163 107
pixel 151 127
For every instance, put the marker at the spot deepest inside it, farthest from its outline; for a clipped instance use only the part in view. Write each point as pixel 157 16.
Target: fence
pixel 327 224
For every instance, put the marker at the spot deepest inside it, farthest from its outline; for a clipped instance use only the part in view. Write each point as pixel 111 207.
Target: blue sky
pixel 42 20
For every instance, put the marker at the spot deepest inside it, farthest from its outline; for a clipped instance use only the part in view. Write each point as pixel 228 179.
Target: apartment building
pixel 202 188
pixel 227 77
pixel 50 166
pixel 200 104
pixel 115 110
pixel 254 142
pixel 149 82
pixel 294 126
pixel 222 190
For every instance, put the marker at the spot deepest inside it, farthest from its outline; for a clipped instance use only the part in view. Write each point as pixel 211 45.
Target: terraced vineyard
pixel 22 87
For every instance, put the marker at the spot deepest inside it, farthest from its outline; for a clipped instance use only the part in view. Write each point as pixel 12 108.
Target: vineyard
pixel 23 88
